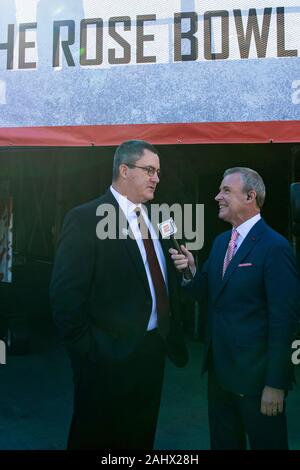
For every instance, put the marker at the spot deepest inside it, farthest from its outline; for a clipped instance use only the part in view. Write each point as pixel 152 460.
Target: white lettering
pixel 296 93
pixel 2 92
pixel 296 354
pixel 2 352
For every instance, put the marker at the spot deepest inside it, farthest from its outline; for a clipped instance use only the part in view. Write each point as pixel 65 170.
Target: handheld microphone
pixel 168 229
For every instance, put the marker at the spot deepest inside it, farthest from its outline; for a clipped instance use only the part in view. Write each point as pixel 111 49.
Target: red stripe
pixel 188 133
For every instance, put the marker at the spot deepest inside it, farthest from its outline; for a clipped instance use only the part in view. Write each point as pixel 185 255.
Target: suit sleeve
pixel 282 288
pixel 70 285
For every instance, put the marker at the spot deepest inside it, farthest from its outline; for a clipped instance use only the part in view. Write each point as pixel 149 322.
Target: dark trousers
pixel 116 402
pixel 232 418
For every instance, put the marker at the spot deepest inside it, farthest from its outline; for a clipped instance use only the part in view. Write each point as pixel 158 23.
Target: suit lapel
pixel 218 261
pixel 221 255
pixel 129 242
pixel 248 244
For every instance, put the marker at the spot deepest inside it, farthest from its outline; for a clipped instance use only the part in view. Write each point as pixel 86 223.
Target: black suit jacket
pixel 99 290
pixel 253 311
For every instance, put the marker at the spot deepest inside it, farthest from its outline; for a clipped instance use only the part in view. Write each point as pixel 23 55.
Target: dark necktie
pixel 161 294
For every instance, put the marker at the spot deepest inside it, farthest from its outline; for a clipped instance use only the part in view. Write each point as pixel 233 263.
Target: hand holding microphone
pixel 183 261
pixel 182 258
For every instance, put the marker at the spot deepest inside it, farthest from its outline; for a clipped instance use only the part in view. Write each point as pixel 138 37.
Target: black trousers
pixel 116 402
pixel 232 418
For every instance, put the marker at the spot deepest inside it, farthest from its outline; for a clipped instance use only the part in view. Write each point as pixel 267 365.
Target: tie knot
pixel 234 235
pixel 142 224
pixel 137 211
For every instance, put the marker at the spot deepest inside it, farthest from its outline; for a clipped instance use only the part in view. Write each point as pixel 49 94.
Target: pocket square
pixel 242 265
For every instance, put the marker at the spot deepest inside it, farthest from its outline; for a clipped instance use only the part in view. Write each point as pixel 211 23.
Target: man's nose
pixel 218 197
pixel 155 178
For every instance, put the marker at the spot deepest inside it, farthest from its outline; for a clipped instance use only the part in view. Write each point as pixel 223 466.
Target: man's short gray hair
pixel 130 152
pixel 252 181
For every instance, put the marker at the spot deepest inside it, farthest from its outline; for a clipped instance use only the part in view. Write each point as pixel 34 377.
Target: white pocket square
pixel 242 265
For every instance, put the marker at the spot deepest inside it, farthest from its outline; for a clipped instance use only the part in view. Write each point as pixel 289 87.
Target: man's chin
pixel 150 196
pixel 222 216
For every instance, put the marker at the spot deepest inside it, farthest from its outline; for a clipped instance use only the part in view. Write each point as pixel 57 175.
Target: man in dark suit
pixel 115 302
pixel 251 286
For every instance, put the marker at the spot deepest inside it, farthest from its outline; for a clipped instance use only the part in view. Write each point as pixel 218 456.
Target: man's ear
pixel 123 169
pixel 251 195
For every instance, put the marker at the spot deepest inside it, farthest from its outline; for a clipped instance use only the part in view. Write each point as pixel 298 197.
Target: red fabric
pixel 188 133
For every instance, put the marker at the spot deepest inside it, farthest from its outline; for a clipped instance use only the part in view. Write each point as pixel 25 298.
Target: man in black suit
pixel 251 286
pixel 115 302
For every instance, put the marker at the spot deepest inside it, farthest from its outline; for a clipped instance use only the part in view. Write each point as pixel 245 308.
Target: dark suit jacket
pixel 252 312
pixel 100 294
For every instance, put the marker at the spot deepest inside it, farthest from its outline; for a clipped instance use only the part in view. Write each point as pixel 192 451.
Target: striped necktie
pixel 230 250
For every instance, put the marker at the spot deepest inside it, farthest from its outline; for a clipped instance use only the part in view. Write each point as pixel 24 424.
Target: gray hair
pixel 252 181
pixel 130 152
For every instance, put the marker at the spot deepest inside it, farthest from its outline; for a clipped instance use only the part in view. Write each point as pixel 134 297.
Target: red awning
pixel 188 133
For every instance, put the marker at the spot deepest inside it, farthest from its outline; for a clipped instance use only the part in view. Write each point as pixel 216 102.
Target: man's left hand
pixel 272 401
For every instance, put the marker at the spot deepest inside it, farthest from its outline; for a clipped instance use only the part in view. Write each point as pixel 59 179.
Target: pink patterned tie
pixel 230 250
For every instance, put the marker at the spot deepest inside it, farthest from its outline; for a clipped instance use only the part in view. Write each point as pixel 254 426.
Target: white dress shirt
pixel 128 209
pixel 244 229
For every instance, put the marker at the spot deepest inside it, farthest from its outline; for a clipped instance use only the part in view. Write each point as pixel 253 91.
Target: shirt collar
pixel 245 227
pixel 124 203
